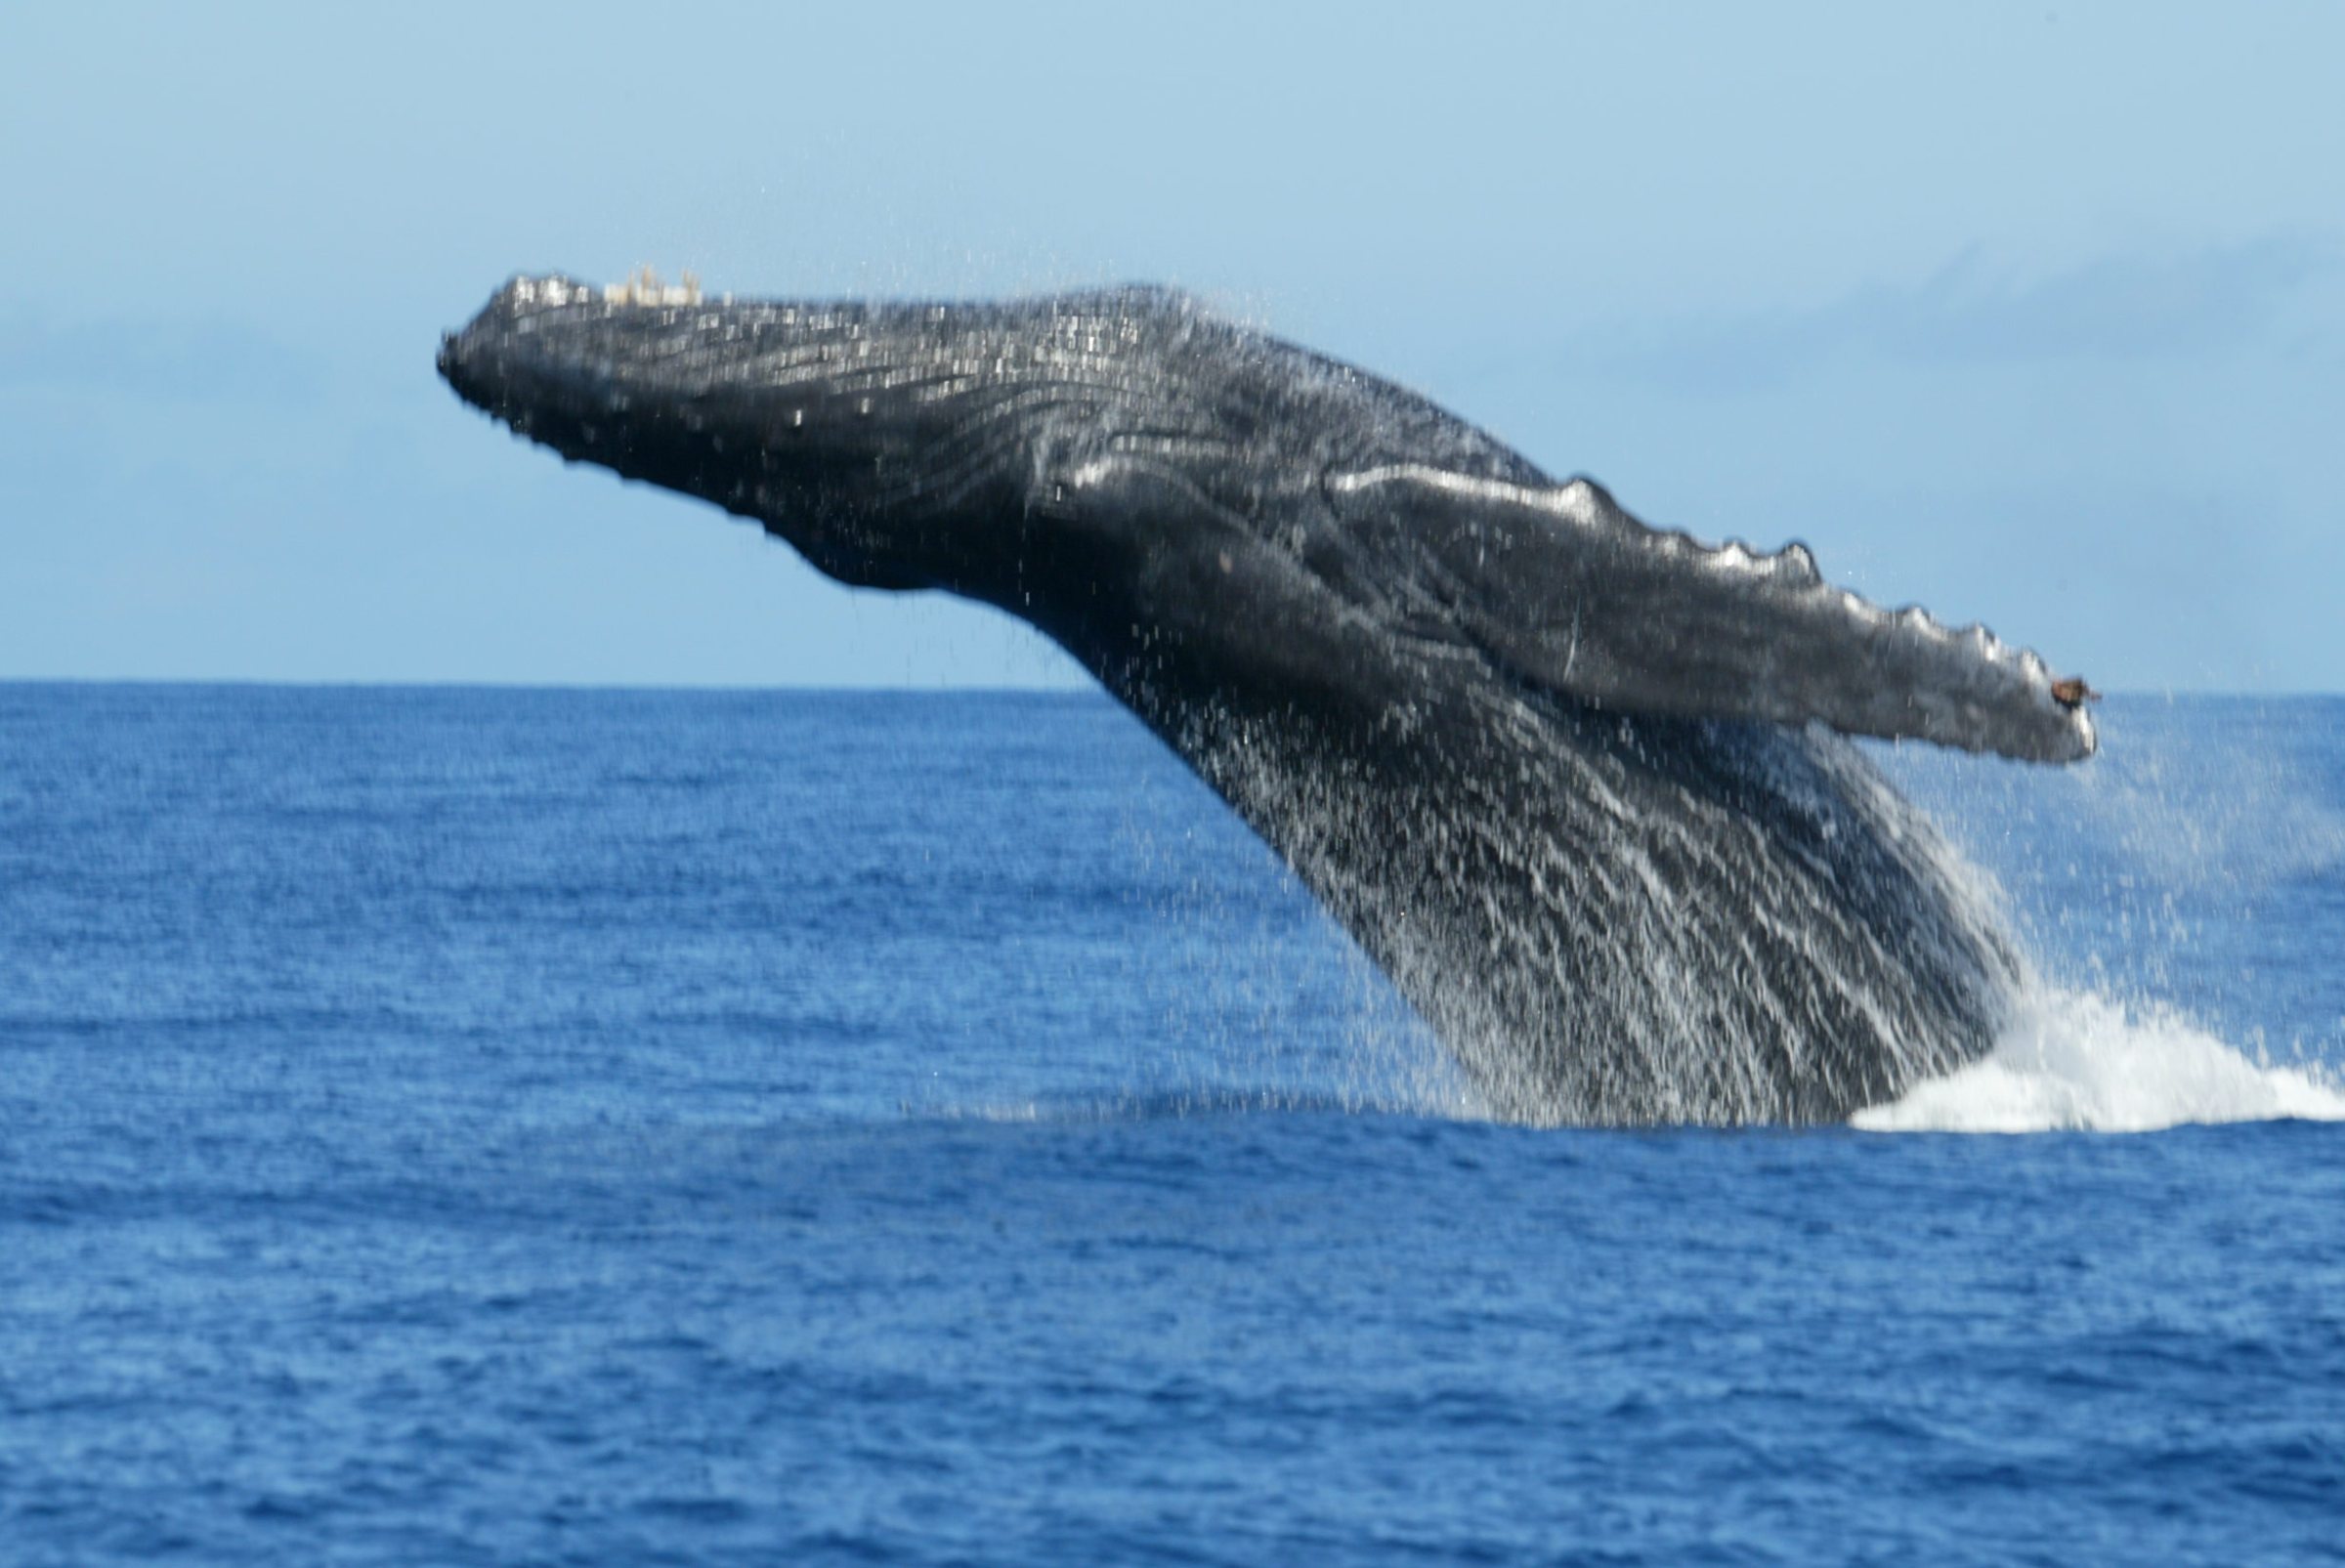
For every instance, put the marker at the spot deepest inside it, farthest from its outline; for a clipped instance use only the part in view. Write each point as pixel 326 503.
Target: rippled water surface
pixel 506 1127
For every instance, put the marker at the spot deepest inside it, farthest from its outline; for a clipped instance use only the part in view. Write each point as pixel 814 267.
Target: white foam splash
pixel 2073 1060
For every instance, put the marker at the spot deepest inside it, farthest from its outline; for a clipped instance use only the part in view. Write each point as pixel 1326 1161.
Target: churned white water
pixel 2076 1060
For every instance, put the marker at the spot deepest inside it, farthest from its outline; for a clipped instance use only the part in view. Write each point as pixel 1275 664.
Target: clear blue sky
pixel 2034 313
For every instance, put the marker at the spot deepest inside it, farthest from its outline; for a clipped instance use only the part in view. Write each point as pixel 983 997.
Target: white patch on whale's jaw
pixel 550 292
pixel 646 288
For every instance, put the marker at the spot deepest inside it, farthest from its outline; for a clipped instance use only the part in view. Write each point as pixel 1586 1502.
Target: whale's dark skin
pixel 1570 781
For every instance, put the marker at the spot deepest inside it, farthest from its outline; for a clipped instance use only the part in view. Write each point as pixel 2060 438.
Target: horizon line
pixel 1085 687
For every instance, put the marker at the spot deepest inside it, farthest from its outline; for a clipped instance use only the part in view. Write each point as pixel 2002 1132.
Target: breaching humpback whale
pixel 1571 780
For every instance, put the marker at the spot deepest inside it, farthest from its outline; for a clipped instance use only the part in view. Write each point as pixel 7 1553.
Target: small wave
pixel 1162 1106
pixel 2073 1060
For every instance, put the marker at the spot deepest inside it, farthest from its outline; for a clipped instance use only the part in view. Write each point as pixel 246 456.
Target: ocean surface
pixel 453 1126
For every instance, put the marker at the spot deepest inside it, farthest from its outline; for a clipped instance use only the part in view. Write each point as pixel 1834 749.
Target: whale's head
pixel 832 424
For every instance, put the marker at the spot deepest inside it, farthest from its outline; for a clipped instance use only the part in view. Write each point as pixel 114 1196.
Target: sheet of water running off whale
pixel 1582 788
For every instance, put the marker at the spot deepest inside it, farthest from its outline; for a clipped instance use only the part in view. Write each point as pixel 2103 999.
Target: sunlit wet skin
pixel 1555 770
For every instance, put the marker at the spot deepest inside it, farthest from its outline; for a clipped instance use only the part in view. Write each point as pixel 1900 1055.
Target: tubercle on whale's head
pixel 775 411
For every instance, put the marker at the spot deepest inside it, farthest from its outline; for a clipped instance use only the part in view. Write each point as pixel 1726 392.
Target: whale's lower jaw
pixel 1629 922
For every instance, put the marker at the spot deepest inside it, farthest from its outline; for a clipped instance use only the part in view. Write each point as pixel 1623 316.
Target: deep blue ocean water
pixel 472 1125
